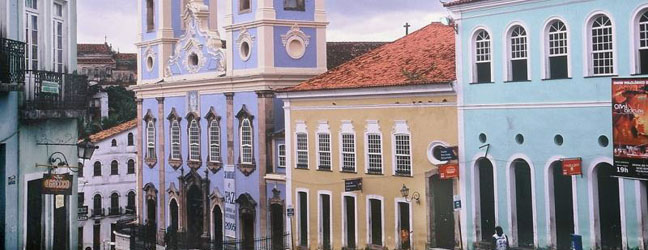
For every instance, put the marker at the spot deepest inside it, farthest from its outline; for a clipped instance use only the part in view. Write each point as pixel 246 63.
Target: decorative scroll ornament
pixel 245 37
pixel 295 32
pixel 295 41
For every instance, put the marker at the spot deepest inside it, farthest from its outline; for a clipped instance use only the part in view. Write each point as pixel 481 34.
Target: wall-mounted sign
pixel 571 166
pixel 50 87
pixel 447 153
pixel 11 180
pixel 82 217
pixel 449 171
pixel 353 185
pixel 230 201
pixel 83 210
pixel 630 127
pixel 290 212
pixel 57 184
pixel 456 202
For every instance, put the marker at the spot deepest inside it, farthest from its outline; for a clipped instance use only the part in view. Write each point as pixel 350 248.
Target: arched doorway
pixel 563 206
pixel 173 227
pixel 151 222
pixel 486 198
pixel 522 196
pixel 217 217
pixel 441 212
pixel 247 214
pixel 609 207
pixel 277 226
pixel 194 210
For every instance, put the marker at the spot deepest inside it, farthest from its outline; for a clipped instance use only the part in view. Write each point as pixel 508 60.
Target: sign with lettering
pixel 630 127
pixel 82 217
pixel 449 171
pixel 230 201
pixel 290 211
pixel 571 166
pixel 57 184
pixel 353 185
pixel 50 87
pixel 83 210
pixel 447 153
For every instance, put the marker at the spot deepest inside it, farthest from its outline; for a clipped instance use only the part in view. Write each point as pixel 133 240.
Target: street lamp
pixel 405 193
pixel 85 149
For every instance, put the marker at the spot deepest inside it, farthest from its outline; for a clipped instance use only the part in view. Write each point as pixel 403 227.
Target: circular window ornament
pixel 244 50
pixel 558 140
pixel 149 62
pixel 295 47
pixel 603 141
pixel 193 59
pixel 519 138
pixel 434 152
pixel 482 138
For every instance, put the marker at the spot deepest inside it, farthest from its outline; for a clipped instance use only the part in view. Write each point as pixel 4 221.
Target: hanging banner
pixel 57 184
pixel 230 201
pixel 630 125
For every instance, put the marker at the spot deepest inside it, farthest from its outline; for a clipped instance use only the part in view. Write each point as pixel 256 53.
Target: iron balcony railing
pixel 12 63
pixel 51 91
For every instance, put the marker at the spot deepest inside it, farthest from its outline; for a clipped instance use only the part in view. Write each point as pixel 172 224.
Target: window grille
pixel 348 152
pixel 194 141
pixel 374 153
pixel 482 56
pixel 214 141
pixel 175 140
pixel 557 48
pixel 302 150
pixel 403 157
pixel 282 155
pixel 324 151
pixel 246 142
pixel 602 51
pixel 150 139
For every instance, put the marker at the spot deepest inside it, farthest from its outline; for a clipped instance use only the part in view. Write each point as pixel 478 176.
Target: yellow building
pixel 361 134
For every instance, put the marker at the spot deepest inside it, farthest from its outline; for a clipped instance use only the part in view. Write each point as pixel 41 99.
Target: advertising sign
pixel 571 166
pixel 353 185
pixel 50 87
pixel 83 210
pixel 449 171
pixel 630 127
pixel 57 184
pixel 447 153
pixel 230 201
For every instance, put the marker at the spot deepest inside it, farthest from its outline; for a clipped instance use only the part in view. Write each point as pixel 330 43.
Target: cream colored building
pixel 382 119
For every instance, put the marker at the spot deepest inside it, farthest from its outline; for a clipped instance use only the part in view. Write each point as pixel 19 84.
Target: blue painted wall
pixel 282 59
pixel 154 73
pixel 307 15
pixel 247 16
pixel 252 62
pixel 9 137
pixel 146 35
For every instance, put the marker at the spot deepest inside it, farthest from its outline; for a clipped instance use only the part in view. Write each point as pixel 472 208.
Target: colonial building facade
pixel 107 185
pixel 534 92
pixel 209 124
pixel 362 144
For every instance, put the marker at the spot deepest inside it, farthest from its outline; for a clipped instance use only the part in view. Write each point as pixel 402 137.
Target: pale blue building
pixel 534 85
pixel 210 128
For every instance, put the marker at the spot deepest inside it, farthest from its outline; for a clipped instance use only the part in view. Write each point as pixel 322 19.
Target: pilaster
pixel 140 163
pixel 229 97
pixel 266 127
pixel 161 166
pixel 213 15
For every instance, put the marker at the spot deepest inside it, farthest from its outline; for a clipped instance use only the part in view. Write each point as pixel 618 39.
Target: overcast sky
pixel 350 20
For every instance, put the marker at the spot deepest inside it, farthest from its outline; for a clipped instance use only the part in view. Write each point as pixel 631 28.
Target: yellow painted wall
pixel 429 119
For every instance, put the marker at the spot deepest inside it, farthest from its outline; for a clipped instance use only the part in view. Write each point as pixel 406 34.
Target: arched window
pixel 246 142
pixel 130 205
pixel 194 141
pixel 114 204
pixel 113 143
pixel 150 140
pixel 175 140
pixel 114 168
pixel 130 139
pixel 482 52
pixel 150 11
pixel 642 37
pixel 601 52
pixel 97 168
pixel 556 52
pixel 96 208
pixel 131 167
pixel 518 54
pixel 214 141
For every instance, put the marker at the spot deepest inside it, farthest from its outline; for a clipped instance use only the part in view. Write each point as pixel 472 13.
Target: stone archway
pixel 247 218
pixel 194 208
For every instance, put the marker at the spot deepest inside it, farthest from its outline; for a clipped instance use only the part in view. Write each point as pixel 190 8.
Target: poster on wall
pixel 630 127
pixel 230 201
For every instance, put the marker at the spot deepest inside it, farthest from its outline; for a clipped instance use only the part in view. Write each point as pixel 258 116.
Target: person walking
pixel 500 240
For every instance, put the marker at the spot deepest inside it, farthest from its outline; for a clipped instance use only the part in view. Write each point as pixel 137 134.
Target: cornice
pixel 411 90
pixel 267 22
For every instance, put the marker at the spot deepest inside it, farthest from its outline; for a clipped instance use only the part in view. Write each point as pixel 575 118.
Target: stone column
pixel 161 168
pixel 230 127
pixel 140 163
pixel 266 127
pixel 205 191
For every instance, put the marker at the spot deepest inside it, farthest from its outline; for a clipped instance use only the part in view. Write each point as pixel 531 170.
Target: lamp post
pixel 405 193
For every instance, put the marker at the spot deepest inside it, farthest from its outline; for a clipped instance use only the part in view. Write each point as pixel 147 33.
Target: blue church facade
pixel 212 158
pixel 534 84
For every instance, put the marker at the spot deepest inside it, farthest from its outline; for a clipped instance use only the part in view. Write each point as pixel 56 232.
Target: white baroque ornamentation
pixel 245 37
pixel 196 19
pixel 148 52
pixel 295 41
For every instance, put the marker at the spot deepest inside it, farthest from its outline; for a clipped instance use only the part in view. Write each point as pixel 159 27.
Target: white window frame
pixel 214 128
pixel 401 128
pixel 320 226
pixel 324 130
pixel 397 219
pixel 588 52
pixel 300 129
pixel 346 128
pixel 298 213
pixel 244 145
pixel 281 156
pixel 344 217
pixel 373 128
pixel 175 144
pixel 194 140
pixel 474 55
pixel 150 139
pixel 30 43
pixel 58 63
pixel 523 54
pixel 368 217
pixel 635 37
pixel 546 67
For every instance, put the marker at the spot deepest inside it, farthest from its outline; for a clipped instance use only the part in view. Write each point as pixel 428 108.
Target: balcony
pixel 115 211
pixel 51 95
pixel 100 212
pixel 12 64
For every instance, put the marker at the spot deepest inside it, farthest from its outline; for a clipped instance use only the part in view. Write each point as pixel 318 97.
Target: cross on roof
pixel 407 25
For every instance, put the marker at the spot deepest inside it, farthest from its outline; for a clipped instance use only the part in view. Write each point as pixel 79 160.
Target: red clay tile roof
pixel 424 57
pixel 459 2
pixel 338 53
pixel 86 48
pixel 95 61
pixel 106 133
pixel 126 56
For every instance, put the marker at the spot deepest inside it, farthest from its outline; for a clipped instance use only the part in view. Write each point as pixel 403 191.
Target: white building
pixel 107 185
